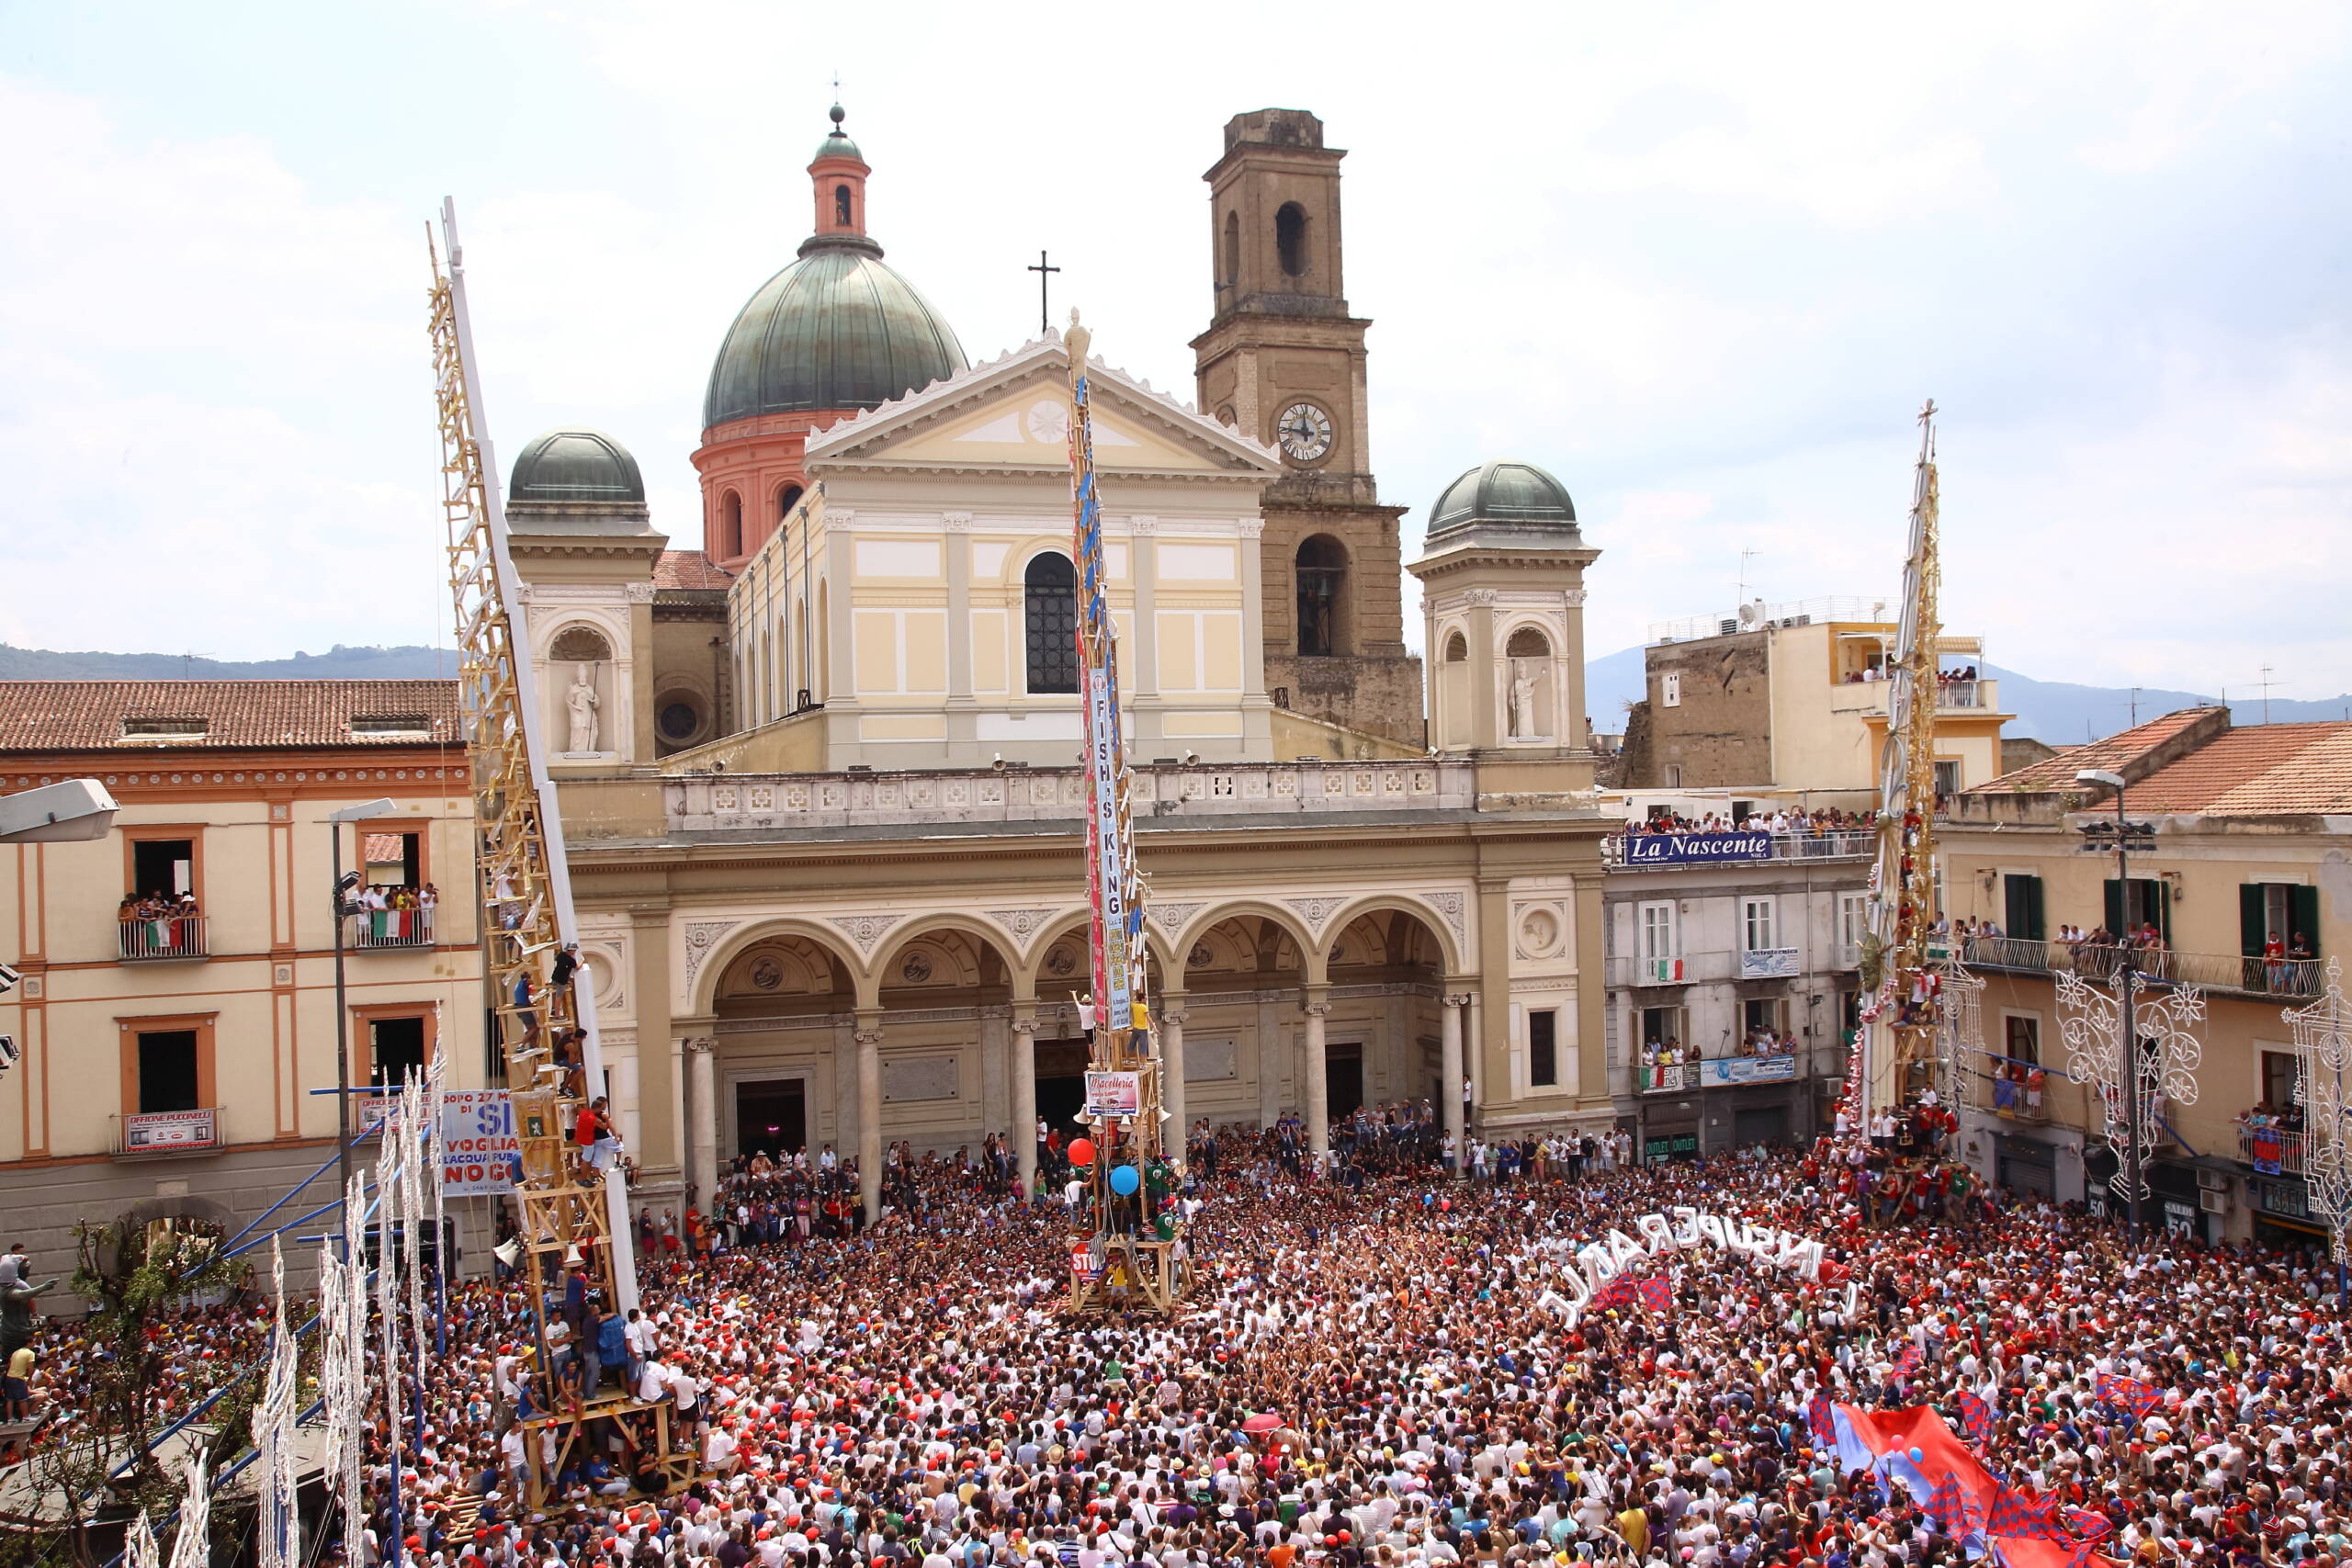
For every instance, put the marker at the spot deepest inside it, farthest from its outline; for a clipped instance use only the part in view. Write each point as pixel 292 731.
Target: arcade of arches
pixel 947 1034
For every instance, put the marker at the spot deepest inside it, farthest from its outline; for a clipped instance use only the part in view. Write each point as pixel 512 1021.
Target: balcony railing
pixel 2015 1102
pixel 164 937
pixel 1652 851
pixel 2272 1151
pixel 1767 963
pixel 1680 969
pixel 2282 977
pixel 167 1132
pixel 389 928
pixel 1716 1072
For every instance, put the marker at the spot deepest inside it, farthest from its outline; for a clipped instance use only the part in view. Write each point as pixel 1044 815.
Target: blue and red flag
pixel 1821 1419
pixel 2017 1513
pixel 1912 1355
pixel 2128 1394
pixel 1975 1417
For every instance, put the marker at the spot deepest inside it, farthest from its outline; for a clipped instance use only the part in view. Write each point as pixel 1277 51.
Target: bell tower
pixel 1284 362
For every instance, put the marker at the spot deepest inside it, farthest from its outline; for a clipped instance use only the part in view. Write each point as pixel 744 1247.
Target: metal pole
pixel 342 1031
pixel 2131 1042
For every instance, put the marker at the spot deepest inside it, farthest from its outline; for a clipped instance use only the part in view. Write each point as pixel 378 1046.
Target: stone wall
pixel 1720 733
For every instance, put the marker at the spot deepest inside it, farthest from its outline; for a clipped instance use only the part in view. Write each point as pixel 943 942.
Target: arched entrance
pixel 1382 1040
pixel 945 993
pixel 781 1005
pixel 1244 989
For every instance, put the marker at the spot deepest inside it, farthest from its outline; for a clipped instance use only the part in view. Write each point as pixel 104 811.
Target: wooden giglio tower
pixel 574 1216
pixel 1128 1252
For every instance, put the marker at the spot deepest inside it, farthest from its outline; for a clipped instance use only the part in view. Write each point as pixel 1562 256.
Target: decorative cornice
pixel 1172 919
pixel 1251 527
pixel 1315 911
pixel 1023 923
pixel 1573 598
pixel 702 937
pixel 838 519
pixel 1142 524
pixel 957 522
pixel 862 930
pixel 639 593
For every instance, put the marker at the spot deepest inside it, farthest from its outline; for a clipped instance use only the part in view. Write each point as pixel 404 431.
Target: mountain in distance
pixel 2059 712
pixel 338 663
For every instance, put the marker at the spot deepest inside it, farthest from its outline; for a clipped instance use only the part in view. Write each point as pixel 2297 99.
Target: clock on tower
pixel 1284 361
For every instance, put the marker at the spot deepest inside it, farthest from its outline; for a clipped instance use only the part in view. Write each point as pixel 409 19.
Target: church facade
pixel 819 776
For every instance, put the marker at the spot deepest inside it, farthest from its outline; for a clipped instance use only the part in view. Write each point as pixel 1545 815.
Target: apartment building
pixel 1733 983
pixel 1788 703
pixel 177 1012
pixel 2246 882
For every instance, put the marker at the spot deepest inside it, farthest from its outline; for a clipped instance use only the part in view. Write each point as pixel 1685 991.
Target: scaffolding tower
pixel 574 1215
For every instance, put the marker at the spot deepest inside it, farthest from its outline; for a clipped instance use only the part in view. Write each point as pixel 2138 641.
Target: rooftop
pixel 2191 762
pixel 689 569
pixel 224 715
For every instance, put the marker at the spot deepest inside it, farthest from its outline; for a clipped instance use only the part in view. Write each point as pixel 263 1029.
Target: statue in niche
pixel 580 702
pixel 1522 701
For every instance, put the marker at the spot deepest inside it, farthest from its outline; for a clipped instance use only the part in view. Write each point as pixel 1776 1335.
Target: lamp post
pixel 339 901
pixel 2129 1042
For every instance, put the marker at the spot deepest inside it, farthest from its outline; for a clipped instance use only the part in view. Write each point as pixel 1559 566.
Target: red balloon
pixel 1081 1151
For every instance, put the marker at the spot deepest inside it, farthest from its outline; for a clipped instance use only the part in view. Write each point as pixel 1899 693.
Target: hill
pixel 338 662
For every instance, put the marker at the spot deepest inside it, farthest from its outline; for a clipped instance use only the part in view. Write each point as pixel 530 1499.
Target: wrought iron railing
pixel 2271 1150
pixel 2258 977
pixel 389 928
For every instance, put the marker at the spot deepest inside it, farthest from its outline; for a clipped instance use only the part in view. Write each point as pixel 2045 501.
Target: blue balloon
pixel 1916 1456
pixel 1124 1179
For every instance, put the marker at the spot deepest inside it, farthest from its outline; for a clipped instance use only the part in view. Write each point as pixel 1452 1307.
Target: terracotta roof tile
pixel 2263 769
pixel 224 716
pixel 2056 773
pixel 689 569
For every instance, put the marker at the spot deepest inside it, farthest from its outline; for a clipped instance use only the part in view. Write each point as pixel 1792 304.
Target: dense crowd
pixel 1380 1371
pixel 1784 822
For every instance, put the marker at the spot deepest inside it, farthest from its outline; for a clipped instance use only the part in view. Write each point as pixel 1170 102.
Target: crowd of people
pixel 158 922
pixel 387 913
pixel 1781 822
pixel 1377 1371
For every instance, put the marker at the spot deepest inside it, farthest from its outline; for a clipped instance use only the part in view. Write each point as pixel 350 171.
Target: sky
pixel 1701 263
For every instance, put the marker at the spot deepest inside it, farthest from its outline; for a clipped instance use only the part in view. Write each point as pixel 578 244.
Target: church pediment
pixel 1013 416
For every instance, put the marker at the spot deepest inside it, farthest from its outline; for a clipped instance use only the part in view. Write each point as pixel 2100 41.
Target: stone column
pixel 870 1111
pixel 1171 1074
pixel 1449 1059
pixel 1025 1095
pixel 702 1114
pixel 1316 1003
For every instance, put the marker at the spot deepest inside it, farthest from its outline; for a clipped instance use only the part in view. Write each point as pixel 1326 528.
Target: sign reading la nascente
pixel 1695 849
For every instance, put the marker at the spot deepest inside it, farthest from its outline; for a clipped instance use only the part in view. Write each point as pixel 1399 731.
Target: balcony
pixel 2012 1102
pixel 2278 978
pixel 1718 1072
pixel 162 1134
pixel 388 927
pixel 2271 1151
pixel 1767 963
pixel 1656 851
pixel 163 939
pixel 1681 969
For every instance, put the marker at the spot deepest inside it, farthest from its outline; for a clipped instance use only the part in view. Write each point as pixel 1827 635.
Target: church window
pixel 841 206
pixel 1049 591
pixel 1231 280
pixel 1290 239
pixel 730 526
pixel 785 499
pixel 1322 578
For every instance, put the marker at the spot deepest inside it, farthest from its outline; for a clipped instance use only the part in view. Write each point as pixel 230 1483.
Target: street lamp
pixel 2125 834
pixel 75 811
pixel 342 907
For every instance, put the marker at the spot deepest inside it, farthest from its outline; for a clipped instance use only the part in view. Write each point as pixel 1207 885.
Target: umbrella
pixel 1262 1422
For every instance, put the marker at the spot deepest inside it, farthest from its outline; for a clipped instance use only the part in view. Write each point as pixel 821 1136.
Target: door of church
pixel 1061 1084
pixel 771 1116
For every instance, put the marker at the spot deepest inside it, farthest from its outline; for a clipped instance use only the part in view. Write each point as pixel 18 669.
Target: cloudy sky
pixel 1703 264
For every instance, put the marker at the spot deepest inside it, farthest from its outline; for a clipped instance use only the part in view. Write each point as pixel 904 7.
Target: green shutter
pixel 2250 931
pixel 2114 921
pixel 2034 931
pixel 2161 891
pixel 2302 918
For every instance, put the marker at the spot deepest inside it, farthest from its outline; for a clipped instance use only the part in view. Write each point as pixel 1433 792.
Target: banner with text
pixel 1695 849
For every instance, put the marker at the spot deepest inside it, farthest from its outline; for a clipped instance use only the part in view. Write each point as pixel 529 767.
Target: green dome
pixel 575 467
pixel 837 143
pixel 1518 493
pixel 835 329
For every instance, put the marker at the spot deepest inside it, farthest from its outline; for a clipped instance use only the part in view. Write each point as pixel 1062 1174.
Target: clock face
pixel 1305 432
